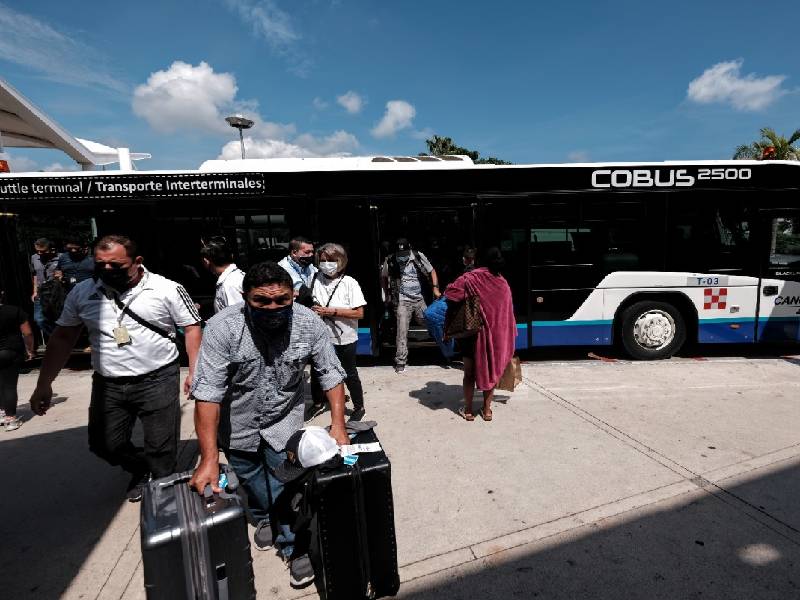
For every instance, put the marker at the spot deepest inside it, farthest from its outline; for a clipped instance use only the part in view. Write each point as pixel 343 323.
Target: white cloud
pixel 185 97
pixel 351 102
pixel 273 25
pixel 339 143
pixel 723 83
pixel 58 167
pixel 34 44
pixel 578 156
pixel 399 115
pixel 22 164
pixel 196 98
pixel 319 103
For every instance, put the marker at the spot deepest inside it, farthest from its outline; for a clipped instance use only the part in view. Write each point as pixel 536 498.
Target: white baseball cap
pixel 307 448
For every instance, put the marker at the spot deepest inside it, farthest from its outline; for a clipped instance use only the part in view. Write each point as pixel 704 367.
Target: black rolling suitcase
pixel 353 546
pixel 195 547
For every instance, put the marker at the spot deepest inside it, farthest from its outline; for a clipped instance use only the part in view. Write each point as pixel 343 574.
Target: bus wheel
pixel 652 330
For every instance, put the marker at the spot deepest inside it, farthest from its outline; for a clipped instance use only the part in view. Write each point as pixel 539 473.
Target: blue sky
pixel 610 81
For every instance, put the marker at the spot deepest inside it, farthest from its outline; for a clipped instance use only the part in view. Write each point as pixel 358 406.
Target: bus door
pixel 564 271
pixel 439 228
pixel 779 290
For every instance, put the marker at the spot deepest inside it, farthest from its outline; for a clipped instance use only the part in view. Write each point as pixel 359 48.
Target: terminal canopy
pixel 23 125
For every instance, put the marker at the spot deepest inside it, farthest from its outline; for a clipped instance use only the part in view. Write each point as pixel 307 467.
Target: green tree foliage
pixel 439 146
pixel 783 147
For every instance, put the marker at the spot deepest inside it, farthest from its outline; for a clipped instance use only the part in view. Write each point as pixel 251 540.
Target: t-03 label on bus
pixel 665 178
pixel 707 280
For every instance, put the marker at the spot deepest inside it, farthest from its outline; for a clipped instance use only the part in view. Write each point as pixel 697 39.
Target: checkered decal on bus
pixel 715 298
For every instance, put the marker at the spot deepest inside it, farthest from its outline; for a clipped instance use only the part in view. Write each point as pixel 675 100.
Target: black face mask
pixel 305 260
pixel 268 320
pixel 77 255
pixel 114 278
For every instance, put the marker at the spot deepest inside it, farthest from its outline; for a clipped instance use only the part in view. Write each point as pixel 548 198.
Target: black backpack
pixel 52 294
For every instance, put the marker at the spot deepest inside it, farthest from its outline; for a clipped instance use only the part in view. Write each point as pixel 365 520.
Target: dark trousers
pixel 347 356
pixel 10 362
pixel 117 403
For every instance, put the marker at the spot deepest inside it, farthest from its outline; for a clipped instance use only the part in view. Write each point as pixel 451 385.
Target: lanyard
pixel 111 296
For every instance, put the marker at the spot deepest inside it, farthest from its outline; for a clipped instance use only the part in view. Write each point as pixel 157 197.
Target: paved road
pixel 598 478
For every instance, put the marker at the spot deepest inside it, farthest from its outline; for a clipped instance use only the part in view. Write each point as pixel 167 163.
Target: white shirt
pixel 347 294
pixel 156 299
pixel 300 275
pixel 229 287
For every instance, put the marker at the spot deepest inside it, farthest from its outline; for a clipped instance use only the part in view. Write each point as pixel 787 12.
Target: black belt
pixel 136 378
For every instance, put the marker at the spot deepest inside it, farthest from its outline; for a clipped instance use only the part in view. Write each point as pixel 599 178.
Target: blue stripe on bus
pixel 364 343
pixel 599 332
pixel 779 329
pixel 572 333
pixel 725 331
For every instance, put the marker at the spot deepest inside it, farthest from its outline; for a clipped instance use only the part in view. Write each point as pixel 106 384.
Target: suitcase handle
pixel 176 478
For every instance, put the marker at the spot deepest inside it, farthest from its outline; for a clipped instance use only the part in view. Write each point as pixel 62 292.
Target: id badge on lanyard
pixel 121 334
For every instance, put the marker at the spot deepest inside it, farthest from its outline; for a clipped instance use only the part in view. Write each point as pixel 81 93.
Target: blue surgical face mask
pixel 268 320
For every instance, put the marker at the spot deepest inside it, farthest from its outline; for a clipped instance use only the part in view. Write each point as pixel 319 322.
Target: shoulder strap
pixel 336 287
pixel 127 310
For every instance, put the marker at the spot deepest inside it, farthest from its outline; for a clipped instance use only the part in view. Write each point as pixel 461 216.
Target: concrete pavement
pixel 596 479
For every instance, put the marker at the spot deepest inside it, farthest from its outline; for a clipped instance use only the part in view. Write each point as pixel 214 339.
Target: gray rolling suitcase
pixel 195 547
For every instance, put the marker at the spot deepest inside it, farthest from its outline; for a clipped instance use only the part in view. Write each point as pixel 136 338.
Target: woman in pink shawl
pixel 487 354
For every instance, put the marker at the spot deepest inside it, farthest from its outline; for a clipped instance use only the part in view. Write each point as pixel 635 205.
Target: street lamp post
pixel 239 122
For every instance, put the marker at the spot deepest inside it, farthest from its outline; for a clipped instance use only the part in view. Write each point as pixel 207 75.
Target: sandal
pixel 465 415
pixel 486 416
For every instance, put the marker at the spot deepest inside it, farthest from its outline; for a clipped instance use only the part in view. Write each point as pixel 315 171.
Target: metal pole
pixel 241 141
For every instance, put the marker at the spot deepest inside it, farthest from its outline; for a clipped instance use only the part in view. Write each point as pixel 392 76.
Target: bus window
pixel 785 244
pixel 261 237
pixel 709 238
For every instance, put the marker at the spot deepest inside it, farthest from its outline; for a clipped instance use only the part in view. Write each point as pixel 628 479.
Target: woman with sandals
pixel 339 301
pixel 487 353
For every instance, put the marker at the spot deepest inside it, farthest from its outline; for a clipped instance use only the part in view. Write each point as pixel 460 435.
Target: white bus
pixel 649 256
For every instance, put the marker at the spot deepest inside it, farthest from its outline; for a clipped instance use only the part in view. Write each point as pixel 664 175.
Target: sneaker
pixel 357 414
pixel 136 487
pixel 12 423
pixel 399 368
pixel 301 573
pixel 262 538
pixel 314 410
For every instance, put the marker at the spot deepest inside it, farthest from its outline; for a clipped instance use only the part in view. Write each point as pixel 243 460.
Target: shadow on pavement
pixel 437 395
pixel 707 548
pixel 57 503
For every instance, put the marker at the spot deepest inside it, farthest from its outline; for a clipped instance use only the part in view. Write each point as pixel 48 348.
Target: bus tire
pixel 652 330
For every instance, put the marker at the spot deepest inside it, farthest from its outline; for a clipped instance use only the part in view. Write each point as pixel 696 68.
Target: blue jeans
pixel 254 471
pixel 45 325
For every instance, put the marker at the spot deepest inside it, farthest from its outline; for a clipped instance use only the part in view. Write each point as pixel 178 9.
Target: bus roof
pixel 424 163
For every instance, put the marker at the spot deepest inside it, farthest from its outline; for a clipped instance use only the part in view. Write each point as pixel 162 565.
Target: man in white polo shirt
pixel 218 259
pixel 131 315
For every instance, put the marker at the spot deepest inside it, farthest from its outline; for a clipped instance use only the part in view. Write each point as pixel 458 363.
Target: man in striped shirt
pixel 131 315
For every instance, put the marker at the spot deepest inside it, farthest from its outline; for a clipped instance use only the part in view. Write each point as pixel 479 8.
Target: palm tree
pixel 771 146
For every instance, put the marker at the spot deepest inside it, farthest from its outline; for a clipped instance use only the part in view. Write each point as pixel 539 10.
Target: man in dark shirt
pixel 44 264
pixel 75 264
